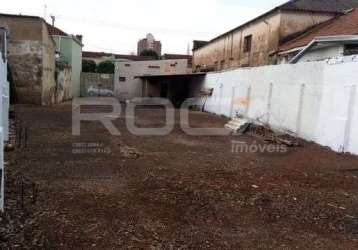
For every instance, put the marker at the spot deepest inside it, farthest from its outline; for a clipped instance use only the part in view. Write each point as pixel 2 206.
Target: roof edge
pixel 21 16
pixel 279 8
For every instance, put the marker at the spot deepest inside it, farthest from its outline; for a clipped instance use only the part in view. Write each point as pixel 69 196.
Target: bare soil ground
pixel 98 191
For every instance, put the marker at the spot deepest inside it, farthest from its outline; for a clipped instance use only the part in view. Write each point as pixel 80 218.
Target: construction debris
pixel 267 134
pixel 128 152
pixel 238 125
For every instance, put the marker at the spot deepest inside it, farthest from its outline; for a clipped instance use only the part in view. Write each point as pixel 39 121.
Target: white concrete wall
pixel 132 86
pixel 323 53
pixel 4 121
pixel 316 100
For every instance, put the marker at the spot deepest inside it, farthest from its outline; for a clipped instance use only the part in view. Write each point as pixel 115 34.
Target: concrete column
pixel 269 103
pixel 300 107
pixel 146 88
pixel 350 114
pixel 233 94
pixel 248 98
pixel 220 98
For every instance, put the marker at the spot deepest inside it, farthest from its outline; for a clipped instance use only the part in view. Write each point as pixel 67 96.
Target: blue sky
pixel 117 25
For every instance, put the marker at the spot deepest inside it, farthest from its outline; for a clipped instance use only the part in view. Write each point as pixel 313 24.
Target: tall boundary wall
pixel 318 101
pixel 4 124
pixel 4 108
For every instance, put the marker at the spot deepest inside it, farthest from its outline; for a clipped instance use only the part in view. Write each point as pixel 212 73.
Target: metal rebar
pixel 25 139
pixel 22 193
pixel 19 136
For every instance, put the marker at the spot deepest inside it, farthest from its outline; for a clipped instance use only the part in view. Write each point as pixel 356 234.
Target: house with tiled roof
pixel 334 38
pixel 69 50
pixel 257 41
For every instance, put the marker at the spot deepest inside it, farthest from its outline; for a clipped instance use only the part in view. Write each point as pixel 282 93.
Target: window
pixel 122 79
pixel 247 43
pixel 154 67
pixel 350 49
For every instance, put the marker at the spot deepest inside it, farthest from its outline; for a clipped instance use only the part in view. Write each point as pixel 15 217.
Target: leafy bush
pixel 150 53
pixel 88 66
pixel 106 67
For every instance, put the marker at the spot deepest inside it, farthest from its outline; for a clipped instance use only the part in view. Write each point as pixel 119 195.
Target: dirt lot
pixel 98 191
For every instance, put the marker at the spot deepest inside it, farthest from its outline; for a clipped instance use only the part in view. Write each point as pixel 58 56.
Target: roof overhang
pixel 285 52
pixel 171 75
pixel 325 40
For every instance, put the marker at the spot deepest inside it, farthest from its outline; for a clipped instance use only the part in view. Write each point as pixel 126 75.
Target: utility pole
pixel 45 11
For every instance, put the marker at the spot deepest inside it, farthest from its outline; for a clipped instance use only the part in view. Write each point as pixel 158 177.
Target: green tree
pixel 88 66
pixel 150 53
pixel 106 67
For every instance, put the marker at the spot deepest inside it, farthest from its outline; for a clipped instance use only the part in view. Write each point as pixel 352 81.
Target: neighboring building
pixel 31 58
pixel 99 57
pixel 256 42
pixel 70 50
pixel 128 84
pixel 178 56
pixel 149 43
pixel 331 40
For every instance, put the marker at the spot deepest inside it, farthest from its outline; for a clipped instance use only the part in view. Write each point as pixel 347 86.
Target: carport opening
pixel 176 88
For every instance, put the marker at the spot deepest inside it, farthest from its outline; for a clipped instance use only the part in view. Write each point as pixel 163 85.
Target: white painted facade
pixel 317 54
pixel 317 100
pixel 127 85
pixel 323 53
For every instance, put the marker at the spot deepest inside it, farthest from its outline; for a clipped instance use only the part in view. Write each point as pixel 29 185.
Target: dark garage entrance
pixel 176 88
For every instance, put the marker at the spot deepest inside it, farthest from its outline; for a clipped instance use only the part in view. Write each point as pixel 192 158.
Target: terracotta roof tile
pixel 92 54
pixel 133 57
pixel 319 5
pixel 176 56
pixel 54 31
pixel 343 25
